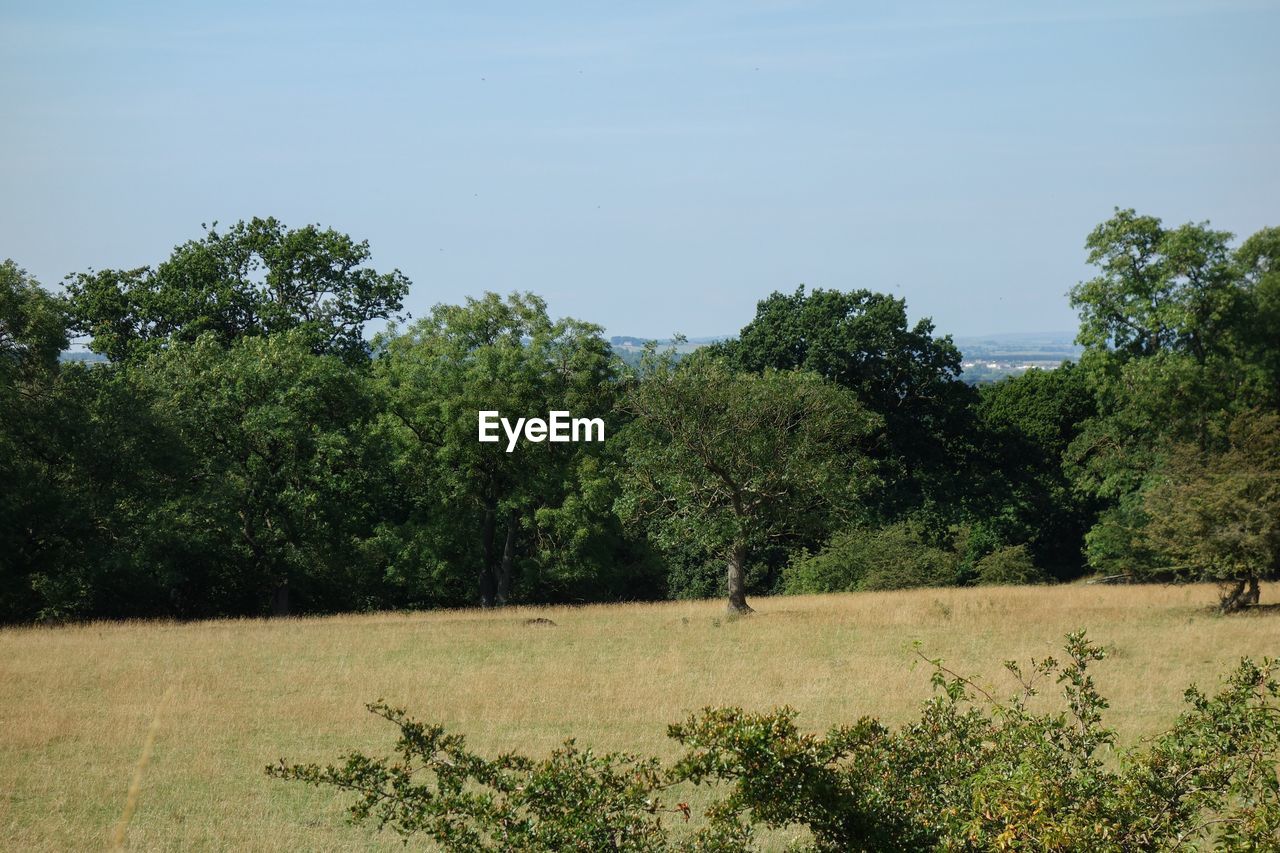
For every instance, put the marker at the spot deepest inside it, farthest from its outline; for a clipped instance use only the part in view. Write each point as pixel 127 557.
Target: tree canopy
pixel 245 449
pixel 733 460
pixel 256 278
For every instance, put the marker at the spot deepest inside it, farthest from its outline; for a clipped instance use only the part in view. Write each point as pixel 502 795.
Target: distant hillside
pixel 987 358
pixel 983 358
pixel 633 341
pixel 82 355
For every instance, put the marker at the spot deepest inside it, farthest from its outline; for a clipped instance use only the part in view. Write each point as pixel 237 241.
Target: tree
pixel 33 328
pixel 256 278
pixel 32 334
pixel 1216 515
pixel 285 482
pixel 1179 331
pixel 475 506
pixel 734 460
pixel 1258 259
pixel 1159 289
pixel 1028 423
pixel 863 341
pixel 99 510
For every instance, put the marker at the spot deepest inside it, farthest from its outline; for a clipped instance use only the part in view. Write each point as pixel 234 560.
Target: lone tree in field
pixel 731 460
pixel 1216 516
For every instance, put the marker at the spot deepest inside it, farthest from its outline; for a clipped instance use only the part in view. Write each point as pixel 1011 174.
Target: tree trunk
pixel 488 583
pixel 737 581
pixel 280 599
pixel 1235 596
pixel 508 557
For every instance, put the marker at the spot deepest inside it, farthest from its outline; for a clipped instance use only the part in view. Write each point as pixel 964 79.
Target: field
pixel 220 700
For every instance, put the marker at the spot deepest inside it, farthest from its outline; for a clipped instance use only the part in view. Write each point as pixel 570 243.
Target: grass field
pixel 220 700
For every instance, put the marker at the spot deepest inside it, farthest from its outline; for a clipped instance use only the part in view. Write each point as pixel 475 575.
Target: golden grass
pixel 76 703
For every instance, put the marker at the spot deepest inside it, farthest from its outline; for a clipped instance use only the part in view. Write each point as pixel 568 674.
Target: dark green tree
pixel 33 330
pixel 1158 289
pixel 32 334
pixel 286 482
pixel 256 278
pixel 478 514
pixel 1179 331
pixel 1215 516
pixel 81 458
pixel 863 341
pixel 1028 423
pixel 733 461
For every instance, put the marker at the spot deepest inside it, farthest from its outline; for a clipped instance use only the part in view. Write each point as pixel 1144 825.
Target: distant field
pixel 76 703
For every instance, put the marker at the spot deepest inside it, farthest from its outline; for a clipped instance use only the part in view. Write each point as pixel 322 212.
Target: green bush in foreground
pixel 972 773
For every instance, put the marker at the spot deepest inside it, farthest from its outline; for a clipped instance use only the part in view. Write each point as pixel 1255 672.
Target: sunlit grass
pixel 76 702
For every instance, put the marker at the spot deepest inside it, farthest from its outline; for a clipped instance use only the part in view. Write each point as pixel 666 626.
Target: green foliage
pixel 488 519
pixel 33 330
pixel 1010 565
pixel 571 800
pixel 1181 332
pixel 284 481
pixel 32 333
pixel 731 461
pixel 894 557
pixel 1028 422
pixel 863 341
pixel 971 773
pixel 257 278
pixel 100 461
pixel 1159 290
pixel 1216 515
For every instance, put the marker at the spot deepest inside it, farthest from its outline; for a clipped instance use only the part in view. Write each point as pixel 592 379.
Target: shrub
pixel 571 800
pixel 972 773
pixel 1011 565
pixel 894 557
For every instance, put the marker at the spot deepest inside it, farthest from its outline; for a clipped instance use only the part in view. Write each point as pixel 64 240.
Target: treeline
pixel 246 451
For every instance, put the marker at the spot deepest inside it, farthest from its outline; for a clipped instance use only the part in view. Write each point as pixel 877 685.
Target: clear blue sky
pixel 653 167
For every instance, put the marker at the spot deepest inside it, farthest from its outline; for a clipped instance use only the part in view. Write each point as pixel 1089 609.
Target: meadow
pixel 218 700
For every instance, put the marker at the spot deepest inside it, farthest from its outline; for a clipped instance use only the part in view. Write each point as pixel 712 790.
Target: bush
pixel 1011 565
pixel 894 557
pixel 972 773
pixel 571 800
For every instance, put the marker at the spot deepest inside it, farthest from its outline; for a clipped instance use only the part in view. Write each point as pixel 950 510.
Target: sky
pixel 652 167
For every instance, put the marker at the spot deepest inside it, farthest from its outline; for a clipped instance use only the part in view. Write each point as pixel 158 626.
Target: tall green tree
pixel 1028 423
pixel 733 460
pixel 863 341
pixel 478 513
pixel 1258 259
pixel 1180 334
pixel 285 482
pixel 33 329
pixel 32 334
pixel 1158 289
pixel 81 459
pixel 256 278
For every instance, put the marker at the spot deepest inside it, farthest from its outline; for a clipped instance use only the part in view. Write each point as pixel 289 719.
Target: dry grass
pixel 76 703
